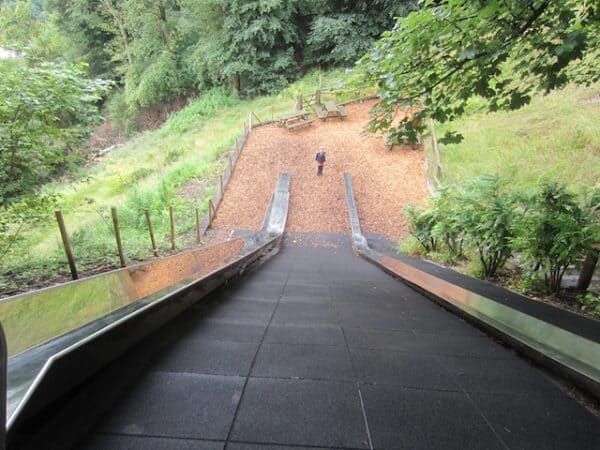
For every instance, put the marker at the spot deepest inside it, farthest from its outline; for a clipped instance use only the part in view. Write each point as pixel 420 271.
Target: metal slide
pixel 563 341
pixel 53 348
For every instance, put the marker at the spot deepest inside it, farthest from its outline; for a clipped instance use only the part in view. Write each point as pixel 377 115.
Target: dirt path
pixel 384 181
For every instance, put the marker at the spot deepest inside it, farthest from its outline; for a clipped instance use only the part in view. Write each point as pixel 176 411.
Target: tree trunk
pixel 162 15
pixel 587 270
pixel 235 85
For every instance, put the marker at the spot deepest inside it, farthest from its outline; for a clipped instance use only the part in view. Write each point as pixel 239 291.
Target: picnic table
pixel 329 110
pixel 295 120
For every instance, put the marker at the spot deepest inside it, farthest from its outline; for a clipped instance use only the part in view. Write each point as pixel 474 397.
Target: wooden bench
pixel 298 115
pixel 330 110
pixel 292 125
pixel 320 112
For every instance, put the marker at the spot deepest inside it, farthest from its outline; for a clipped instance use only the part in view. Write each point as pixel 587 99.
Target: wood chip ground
pixel 384 181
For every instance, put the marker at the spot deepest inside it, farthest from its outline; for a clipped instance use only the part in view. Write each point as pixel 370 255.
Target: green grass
pixel 556 137
pixel 148 172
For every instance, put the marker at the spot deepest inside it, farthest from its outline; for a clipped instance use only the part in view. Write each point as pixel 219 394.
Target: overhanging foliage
pixel 502 50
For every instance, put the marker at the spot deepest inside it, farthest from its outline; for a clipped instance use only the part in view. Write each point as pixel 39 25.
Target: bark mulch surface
pixel 189 265
pixel 384 181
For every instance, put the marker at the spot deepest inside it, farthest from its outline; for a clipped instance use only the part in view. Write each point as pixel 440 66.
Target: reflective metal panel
pixel 33 318
pixel 60 336
pixel 574 355
pixel 569 349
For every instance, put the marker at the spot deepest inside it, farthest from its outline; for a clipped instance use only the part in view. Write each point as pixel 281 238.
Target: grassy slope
pixel 148 172
pixel 556 137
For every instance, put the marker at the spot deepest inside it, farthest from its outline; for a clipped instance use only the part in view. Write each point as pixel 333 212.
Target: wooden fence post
pixel 115 219
pixel 210 212
pixel 151 231
pixel 172 227
pixel 67 245
pixel 250 121
pixel 197 226
pixel 436 154
pixel 317 97
pixel 230 163
pixel 221 185
pixel 299 102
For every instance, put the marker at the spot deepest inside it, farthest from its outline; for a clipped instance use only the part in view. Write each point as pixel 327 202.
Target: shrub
pixel 448 226
pixel 554 232
pixel 46 111
pixel 119 113
pixel 421 223
pixel 486 215
pixel 154 81
pixel 590 302
pixel 411 246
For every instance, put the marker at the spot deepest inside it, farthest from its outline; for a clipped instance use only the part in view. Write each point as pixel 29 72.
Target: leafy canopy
pixel 502 50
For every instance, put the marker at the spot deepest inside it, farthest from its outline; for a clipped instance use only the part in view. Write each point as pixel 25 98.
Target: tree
pixel 17 24
pixel 26 28
pixel 45 111
pixel 118 27
pixel 503 50
pixel 343 31
pixel 156 74
pixel 84 23
pixel 258 39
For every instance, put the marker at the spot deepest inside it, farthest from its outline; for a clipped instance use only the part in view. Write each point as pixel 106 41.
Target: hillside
pixel 556 137
pixel 176 165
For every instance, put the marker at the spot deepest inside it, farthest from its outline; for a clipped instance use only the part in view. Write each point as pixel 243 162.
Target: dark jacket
pixel 320 158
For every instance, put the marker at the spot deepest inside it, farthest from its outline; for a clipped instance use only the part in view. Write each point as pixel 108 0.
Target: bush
pixel 421 223
pixel 29 211
pixel 486 214
pixel 448 227
pixel 551 229
pixel 590 302
pixel 154 82
pixel 410 246
pixel 554 232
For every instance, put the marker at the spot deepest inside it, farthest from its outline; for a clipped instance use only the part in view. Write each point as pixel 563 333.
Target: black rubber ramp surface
pixel 320 349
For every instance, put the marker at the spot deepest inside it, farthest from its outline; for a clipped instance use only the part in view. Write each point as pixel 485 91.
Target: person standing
pixel 320 158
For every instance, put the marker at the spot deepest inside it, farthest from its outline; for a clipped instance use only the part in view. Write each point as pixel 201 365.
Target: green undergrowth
pixel 149 172
pixel 546 158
